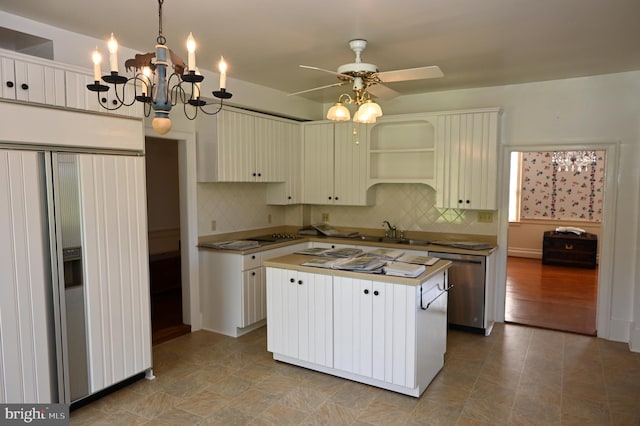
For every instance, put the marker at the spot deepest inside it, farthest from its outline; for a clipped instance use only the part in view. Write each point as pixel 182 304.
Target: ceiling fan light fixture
pixel 338 112
pixel 369 107
pixel 363 117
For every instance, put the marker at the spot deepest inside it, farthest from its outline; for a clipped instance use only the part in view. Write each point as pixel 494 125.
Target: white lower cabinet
pixel 372 326
pixel 233 290
pixel 385 334
pixel 299 307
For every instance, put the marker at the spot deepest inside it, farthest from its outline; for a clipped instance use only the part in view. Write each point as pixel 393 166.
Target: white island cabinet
pixel 384 331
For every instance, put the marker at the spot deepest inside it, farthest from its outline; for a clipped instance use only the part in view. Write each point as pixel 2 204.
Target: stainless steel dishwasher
pixel 466 307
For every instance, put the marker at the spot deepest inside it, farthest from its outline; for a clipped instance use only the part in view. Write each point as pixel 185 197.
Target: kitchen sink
pixel 404 241
pixel 371 238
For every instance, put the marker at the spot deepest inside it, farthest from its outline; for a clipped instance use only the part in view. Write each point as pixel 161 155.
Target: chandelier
pixel 576 161
pixel 151 86
pixel 367 110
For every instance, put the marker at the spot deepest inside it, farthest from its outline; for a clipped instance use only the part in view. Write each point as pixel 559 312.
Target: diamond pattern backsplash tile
pixel 242 206
pixel 409 207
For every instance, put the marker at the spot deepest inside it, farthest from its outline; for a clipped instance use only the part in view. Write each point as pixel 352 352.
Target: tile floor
pixel 517 376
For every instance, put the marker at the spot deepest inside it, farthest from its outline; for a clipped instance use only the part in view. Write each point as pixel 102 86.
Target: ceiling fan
pixel 367 78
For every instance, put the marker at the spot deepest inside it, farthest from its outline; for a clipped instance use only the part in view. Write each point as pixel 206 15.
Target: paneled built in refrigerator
pixel 74 311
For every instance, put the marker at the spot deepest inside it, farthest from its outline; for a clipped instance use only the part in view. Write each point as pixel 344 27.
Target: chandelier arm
pixel 105 104
pixel 122 100
pixel 186 113
pixel 212 113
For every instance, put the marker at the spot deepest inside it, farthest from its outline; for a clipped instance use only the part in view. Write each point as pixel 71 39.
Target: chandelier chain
pixel 161 38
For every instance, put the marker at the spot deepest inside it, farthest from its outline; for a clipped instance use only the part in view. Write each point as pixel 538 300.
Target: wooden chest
pixel 568 249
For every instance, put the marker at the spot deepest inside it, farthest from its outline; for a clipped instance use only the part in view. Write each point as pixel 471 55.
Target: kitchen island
pixel 382 330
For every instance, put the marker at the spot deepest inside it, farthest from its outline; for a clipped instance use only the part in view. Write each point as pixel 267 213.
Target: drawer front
pixel 250 261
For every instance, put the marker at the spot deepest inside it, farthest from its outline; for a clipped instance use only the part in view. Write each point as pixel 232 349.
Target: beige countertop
pixel 351 241
pixel 294 262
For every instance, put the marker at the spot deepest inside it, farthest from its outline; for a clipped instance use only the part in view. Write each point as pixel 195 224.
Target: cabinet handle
pixel 254 175
pixel 376 292
pixel 468 201
pixel 292 280
pixel 103 100
pixel 299 282
pixel 9 84
pixel 329 197
pixel 289 197
pixel 366 291
pixel 259 174
pixel 253 274
pixel 253 257
pixel 459 201
pixel 336 198
pixel 568 246
pixel 24 86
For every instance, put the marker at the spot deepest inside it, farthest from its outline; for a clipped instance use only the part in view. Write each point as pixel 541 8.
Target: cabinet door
pixel 26 317
pixel 467 150
pixel 282 312
pixel 351 165
pixel 289 191
pixel 299 315
pixel 117 296
pixel 254 296
pixel 353 327
pixel 318 164
pixel 375 330
pixel 7 78
pixel 236 147
pixel 270 150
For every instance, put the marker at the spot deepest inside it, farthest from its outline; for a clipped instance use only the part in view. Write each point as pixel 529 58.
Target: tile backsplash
pixel 242 206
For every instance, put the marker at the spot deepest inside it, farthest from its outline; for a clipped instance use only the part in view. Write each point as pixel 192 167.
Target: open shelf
pixel 402 151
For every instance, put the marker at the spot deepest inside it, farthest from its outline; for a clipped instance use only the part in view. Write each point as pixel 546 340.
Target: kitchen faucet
pixel 391 227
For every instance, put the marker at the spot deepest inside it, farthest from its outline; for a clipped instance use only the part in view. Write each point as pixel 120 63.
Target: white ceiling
pixel 475 42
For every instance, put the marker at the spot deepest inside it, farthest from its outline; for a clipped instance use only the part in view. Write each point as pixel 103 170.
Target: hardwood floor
pixel 554 297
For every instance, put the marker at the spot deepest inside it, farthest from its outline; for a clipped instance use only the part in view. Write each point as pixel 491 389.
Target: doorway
pixel 543 197
pixel 163 217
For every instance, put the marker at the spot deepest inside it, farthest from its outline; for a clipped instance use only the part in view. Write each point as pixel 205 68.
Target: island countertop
pixel 295 261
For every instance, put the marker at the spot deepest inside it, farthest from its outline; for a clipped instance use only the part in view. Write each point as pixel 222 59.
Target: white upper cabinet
pixel 289 191
pixel 335 163
pixel 467 158
pixel 31 82
pixel 402 150
pixel 79 97
pixel 238 146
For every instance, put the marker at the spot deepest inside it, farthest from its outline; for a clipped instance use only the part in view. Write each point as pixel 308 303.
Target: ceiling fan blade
pixel 318 88
pixel 343 76
pixel 410 74
pixel 382 92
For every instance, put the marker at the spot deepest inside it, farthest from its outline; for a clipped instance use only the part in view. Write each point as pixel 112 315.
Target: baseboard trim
pixel 634 342
pixel 524 252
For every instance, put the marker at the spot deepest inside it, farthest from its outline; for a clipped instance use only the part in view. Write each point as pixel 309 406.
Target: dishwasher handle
pixel 442 291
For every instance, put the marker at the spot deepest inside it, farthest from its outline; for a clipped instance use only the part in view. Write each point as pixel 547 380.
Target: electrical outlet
pixel 325 217
pixel 213 225
pixel 485 217
pixel 269 218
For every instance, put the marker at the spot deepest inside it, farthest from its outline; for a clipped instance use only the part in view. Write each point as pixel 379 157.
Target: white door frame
pixel 607 234
pixel 187 181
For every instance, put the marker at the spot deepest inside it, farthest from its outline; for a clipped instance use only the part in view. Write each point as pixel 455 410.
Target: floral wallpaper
pixel 547 193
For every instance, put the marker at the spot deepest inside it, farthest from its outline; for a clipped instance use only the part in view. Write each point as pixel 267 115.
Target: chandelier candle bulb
pixel 191 48
pixel 97 59
pixel 113 54
pixel 222 66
